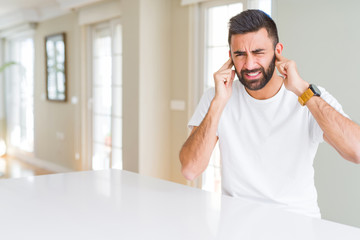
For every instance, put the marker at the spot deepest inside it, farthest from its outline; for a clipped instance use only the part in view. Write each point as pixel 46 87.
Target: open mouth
pixel 253 74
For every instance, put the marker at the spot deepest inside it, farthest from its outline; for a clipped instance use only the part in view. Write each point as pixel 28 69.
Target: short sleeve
pixel 316 132
pixel 202 108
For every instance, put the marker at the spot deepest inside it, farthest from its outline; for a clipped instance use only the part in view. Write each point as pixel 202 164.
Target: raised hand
pixel 224 79
pixel 292 80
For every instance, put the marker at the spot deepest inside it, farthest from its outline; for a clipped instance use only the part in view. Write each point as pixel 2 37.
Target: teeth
pixel 253 74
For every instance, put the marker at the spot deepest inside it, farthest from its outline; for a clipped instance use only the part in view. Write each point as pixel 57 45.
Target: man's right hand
pixel 196 151
pixel 224 78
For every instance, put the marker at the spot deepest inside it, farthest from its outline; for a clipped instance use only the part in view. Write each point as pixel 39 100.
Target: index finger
pixel 229 63
pixel 279 57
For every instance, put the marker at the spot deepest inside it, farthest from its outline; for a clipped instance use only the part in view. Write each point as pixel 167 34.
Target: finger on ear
pixel 278 57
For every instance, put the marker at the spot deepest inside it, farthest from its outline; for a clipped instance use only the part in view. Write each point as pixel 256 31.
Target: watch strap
pixel 305 96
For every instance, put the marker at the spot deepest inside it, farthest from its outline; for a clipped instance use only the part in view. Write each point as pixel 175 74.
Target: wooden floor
pixel 11 167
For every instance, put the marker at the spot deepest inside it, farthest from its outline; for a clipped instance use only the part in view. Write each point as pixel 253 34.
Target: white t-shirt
pixel 268 147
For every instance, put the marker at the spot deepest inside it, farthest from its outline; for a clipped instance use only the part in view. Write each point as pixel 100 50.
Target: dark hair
pixel 251 21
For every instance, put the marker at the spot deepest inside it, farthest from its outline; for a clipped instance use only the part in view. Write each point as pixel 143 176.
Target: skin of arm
pixel 196 151
pixel 339 131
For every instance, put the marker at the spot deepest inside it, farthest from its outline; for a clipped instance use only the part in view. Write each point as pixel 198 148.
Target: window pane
pixel 102 42
pixel 265 5
pixel 217 56
pixel 60 49
pixel 217 26
pixel 101 157
pixel 116 158
pixel 117 109
pixel 234 9
pixel 215 157
pixel 117 39
pixel 118 70
pixel 117 132
pixel 212 179
pixel 102 71
pixel 102 100
pixel 102 129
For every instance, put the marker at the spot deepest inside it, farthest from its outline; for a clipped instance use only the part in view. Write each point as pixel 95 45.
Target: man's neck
pixel 270 89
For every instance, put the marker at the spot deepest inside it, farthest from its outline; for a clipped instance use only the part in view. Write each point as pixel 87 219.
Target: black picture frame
pixel 55 64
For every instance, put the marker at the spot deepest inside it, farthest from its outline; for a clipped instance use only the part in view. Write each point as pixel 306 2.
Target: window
pixel 20 94
pixel 106 96
pixel 215 16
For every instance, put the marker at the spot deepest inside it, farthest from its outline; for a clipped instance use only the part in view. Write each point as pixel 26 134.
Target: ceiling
pixel 15 12
pixel 11 6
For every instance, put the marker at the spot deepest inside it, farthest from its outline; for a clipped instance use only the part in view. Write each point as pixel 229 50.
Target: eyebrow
pixel 254 51
pixel 239 52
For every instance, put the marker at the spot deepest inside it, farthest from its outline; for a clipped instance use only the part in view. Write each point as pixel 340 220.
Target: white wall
pixel 179 84
pixel 51 117
pixel 147 81
pixel 323 38
pixel 131 76
pixel 154 87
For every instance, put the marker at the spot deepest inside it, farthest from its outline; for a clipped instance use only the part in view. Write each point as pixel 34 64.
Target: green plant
pixel 5 65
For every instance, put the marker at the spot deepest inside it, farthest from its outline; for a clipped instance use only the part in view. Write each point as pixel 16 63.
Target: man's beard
pixel 257 84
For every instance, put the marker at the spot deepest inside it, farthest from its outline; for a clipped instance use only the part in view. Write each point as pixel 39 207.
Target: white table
pixel 114 204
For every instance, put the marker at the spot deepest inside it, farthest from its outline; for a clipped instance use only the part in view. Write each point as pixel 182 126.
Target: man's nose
pixel 249 62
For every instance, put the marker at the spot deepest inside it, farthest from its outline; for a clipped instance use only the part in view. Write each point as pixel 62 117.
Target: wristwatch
pixel 310 92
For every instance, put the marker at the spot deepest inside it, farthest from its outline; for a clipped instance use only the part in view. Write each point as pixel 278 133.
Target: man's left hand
pixel 292 80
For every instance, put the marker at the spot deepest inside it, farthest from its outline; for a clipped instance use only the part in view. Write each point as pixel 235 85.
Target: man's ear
pixel 279 48
pixel 229 53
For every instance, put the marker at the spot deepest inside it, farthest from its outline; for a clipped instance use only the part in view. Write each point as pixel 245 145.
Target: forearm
pixel 342 133
pixel 196 151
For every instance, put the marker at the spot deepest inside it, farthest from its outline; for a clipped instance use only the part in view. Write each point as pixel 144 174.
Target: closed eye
pixel 258 51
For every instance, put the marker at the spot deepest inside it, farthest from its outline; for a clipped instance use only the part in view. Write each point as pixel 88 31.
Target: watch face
pixel 315 90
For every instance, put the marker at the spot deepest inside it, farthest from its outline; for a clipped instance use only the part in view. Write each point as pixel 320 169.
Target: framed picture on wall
pixel 55 64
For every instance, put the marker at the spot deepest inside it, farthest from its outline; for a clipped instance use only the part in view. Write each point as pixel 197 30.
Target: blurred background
pixel 98 84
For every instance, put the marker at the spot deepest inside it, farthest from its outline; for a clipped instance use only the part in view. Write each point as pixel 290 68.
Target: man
pixel 268 126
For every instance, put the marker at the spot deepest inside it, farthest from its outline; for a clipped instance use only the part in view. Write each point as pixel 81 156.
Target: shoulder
pixel 208 94
pixel 332 101
pixel 327 96
pixel 237 87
